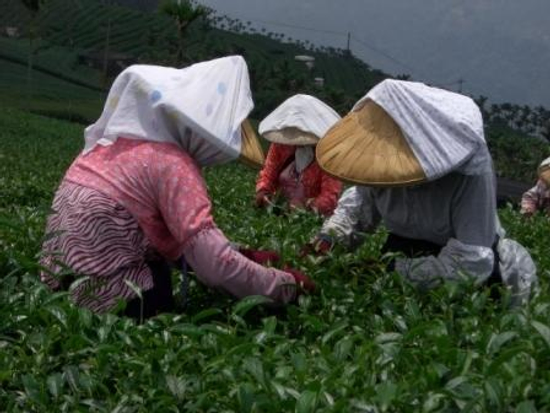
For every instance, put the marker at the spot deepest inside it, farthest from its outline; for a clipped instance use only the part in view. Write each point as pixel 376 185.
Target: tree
pixel 545 132
pixel 481 102
pixel 183 12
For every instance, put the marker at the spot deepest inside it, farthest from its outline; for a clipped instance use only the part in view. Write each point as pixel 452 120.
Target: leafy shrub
pixel 368 342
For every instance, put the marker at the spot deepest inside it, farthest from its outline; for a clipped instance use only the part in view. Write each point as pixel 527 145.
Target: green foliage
pixel 367 342
pixel 70 30
pixel 516 155
pixel 183 12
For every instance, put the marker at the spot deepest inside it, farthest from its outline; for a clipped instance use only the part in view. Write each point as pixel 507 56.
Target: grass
pixel 516 155
pixel 368 342
pixel 49 94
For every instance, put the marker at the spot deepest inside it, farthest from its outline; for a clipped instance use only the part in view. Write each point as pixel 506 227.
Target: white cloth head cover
pixel 544 164
pixel 443 129
pixel 200 108
pixel 304 112
pixel 303 156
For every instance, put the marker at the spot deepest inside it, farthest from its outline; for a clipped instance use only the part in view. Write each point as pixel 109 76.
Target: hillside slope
pixel 69 82
pixel 76 36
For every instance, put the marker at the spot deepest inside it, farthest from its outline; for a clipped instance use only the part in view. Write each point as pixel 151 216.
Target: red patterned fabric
pixel 159 184
pixel 121 203
pixel 536 199
pixel 93 235
pixel 313 184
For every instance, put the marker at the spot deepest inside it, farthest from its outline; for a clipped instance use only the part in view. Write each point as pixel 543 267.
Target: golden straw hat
pixel 367 147
pixel 291 136
pixel 252 153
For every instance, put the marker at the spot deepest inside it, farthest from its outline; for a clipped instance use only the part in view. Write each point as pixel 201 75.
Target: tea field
pixel 367 342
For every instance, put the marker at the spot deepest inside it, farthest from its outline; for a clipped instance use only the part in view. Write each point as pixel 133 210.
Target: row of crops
pixel 67 31
pixel 368 342
pixel 83 24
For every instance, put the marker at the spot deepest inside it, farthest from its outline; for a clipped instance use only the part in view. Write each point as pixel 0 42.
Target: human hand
pixel 262 199
pixel 310 204
pixel 319 246
pixel 304 283
pixel 260 256
pixel 295 204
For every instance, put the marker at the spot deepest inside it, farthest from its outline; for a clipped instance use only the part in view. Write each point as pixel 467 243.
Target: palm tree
pixel 184 12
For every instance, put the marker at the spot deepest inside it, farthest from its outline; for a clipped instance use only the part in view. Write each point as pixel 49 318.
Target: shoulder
pixel 169 158
pixel 158 159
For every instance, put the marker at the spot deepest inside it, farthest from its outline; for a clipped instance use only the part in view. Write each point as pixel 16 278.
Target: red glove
pixel 320 246
pixel 304 283
pixel 259 256
pixel 262 199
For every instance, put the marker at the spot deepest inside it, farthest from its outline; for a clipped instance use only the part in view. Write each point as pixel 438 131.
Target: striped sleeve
pixel 532 198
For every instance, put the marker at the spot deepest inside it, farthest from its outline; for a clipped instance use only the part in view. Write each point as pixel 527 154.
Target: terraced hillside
pixel 74 37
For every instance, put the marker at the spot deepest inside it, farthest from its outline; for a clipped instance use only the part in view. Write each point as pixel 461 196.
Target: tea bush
pixel 368 342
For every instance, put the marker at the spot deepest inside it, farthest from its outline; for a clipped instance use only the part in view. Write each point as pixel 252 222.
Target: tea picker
pixel 294 128
pixel 420 164
pixel 538 197
pixel 135 199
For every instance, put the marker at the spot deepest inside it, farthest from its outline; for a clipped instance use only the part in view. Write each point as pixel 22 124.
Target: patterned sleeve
pixel 275 160
pixel 182 197
pixel 219 266
pixel 356 212
pixel 531 199
pixel 327 199
pixel 185 206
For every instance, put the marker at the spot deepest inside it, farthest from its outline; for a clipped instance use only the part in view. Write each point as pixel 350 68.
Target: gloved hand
pixel 304 283
pixel 262 199
pixel 321 245
pixel 259 256
pixel 294 204
pixel 527 214
pixel 310 204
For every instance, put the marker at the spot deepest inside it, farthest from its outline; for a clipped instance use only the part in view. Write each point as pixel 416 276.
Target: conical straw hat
pixel 251 150
pixel 367 147
pixel 291 136
pixel 544 175
pixel 299 120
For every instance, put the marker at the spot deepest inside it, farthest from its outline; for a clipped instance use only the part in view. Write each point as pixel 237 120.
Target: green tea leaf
pixel 55 384
pixel 307 402
pixel 543 330
pixel 248 303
